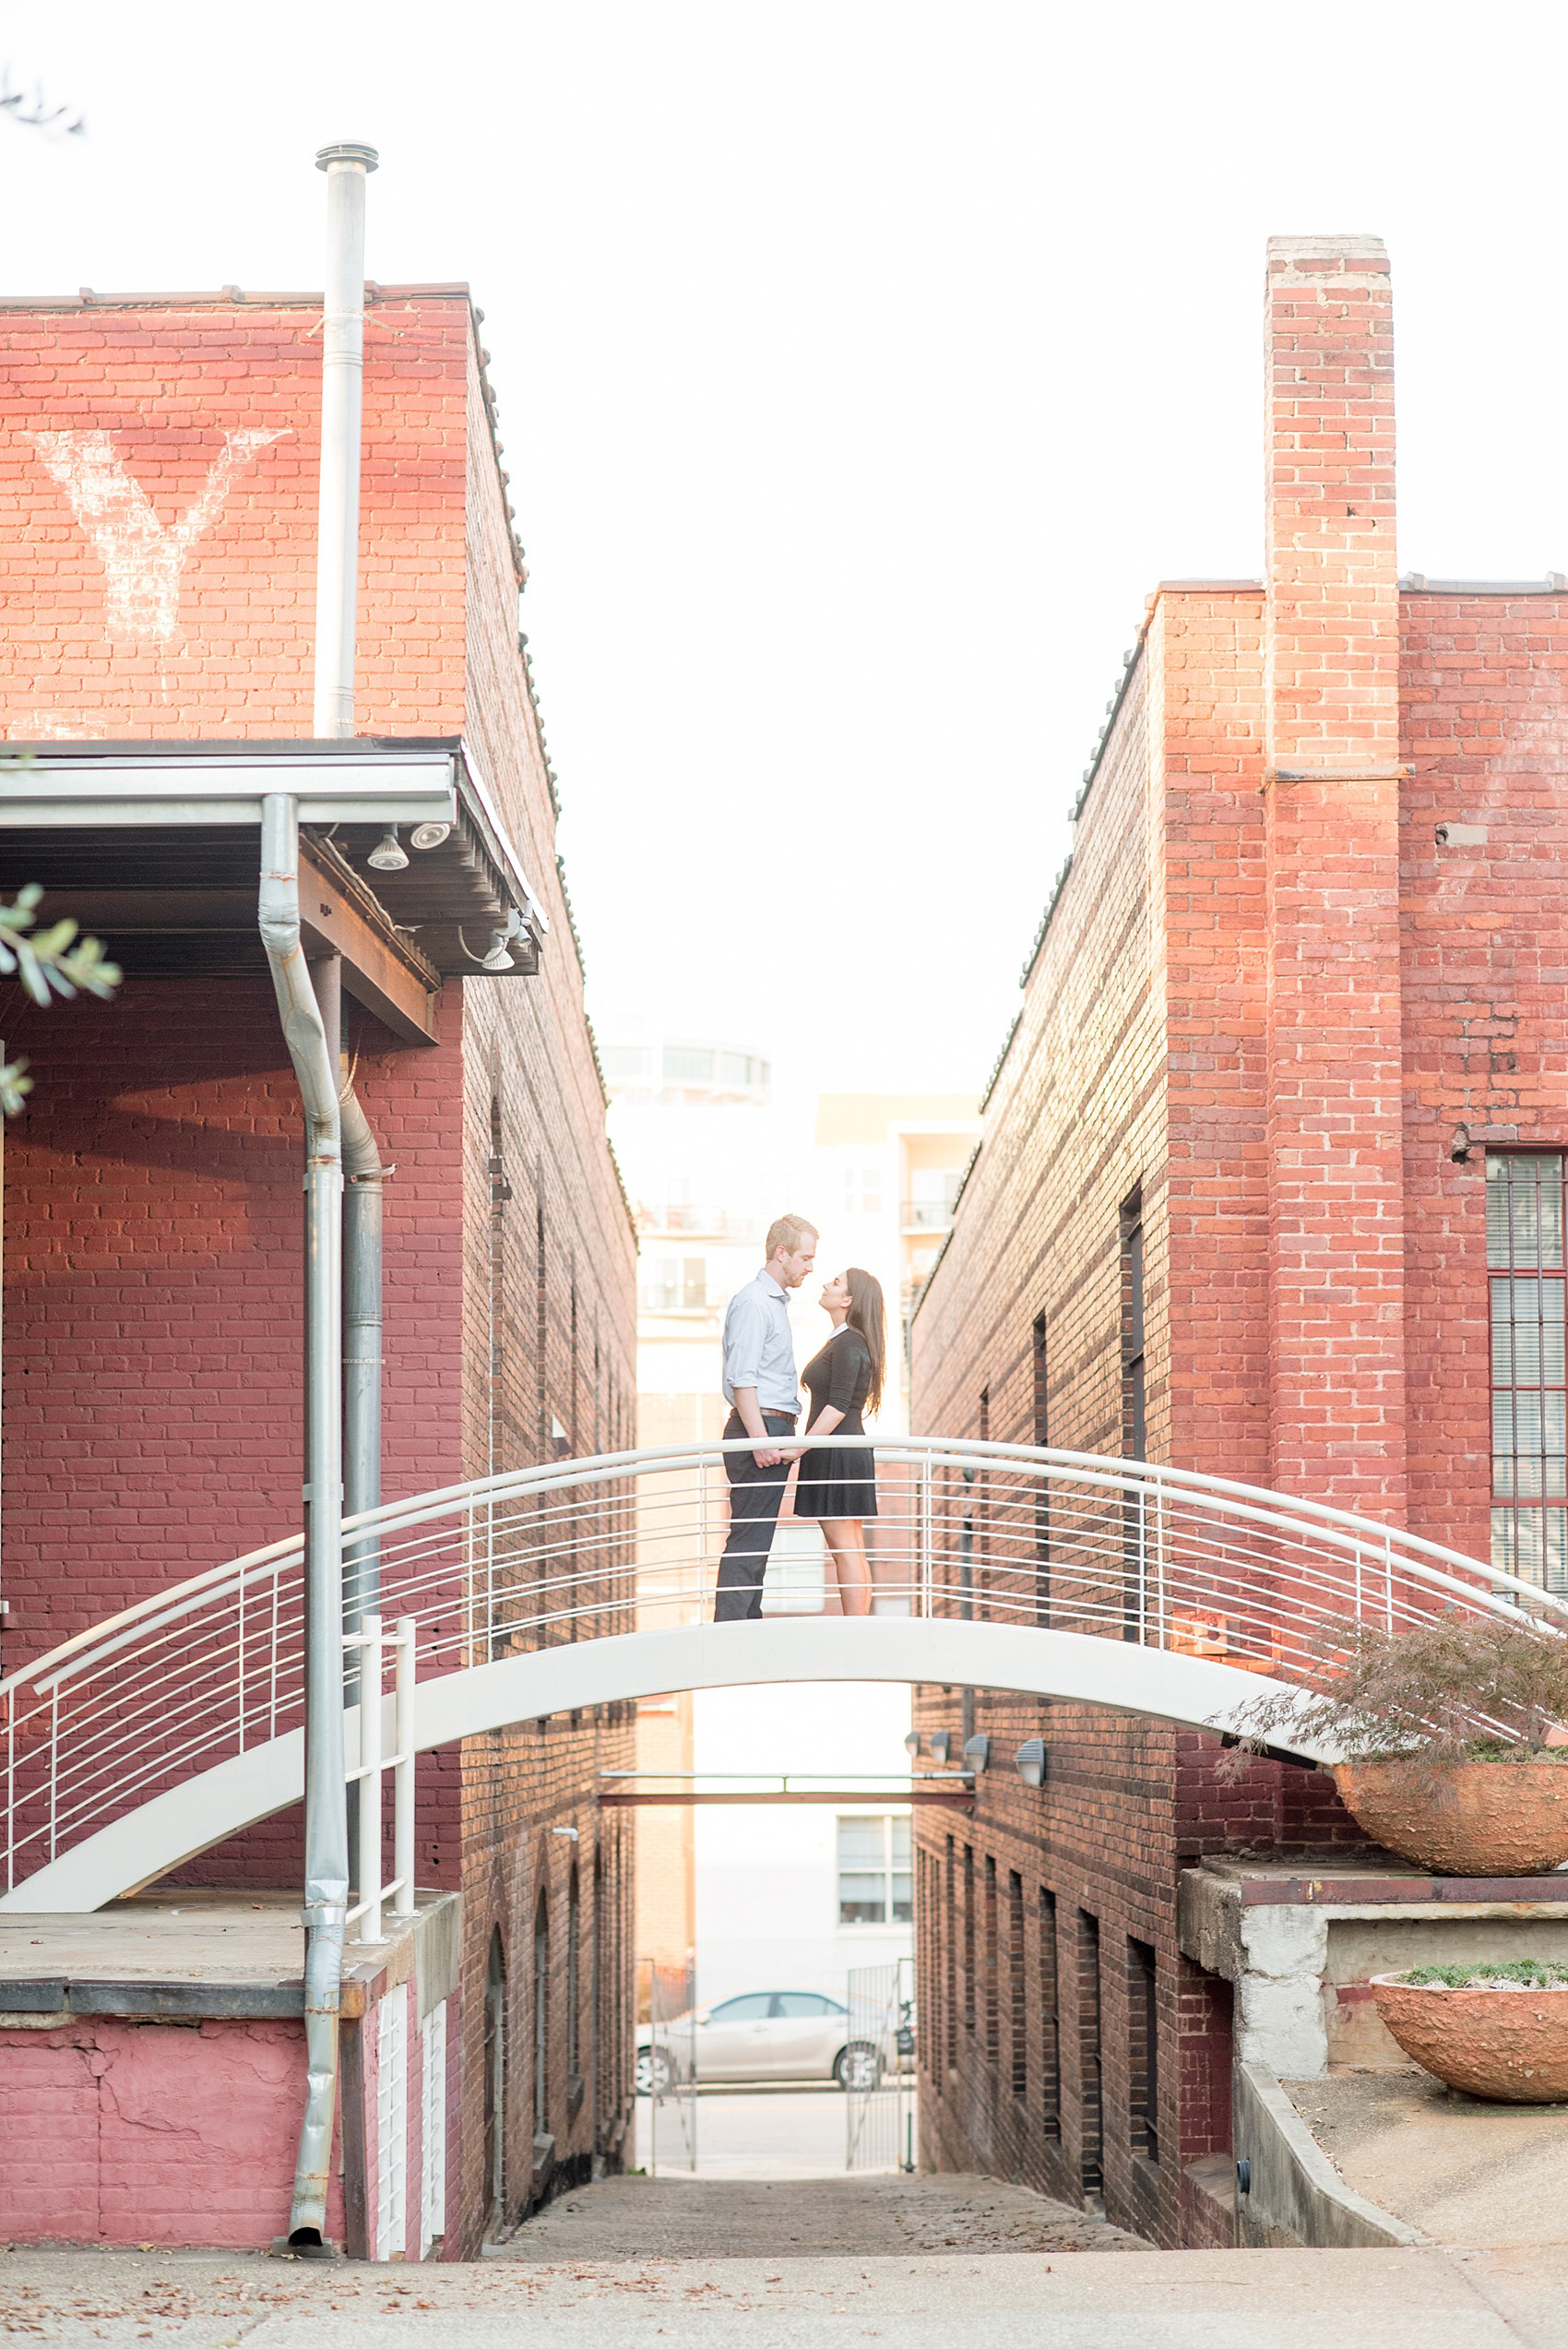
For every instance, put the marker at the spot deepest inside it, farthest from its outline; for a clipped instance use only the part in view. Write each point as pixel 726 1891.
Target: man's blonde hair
pixel 787 1233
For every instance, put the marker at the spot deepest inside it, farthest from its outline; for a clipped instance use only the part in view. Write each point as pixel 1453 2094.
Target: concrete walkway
pixel 1138 2300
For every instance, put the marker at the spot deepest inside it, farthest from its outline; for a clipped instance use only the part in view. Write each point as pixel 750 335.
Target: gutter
pixel 326 1825
pixel 314 1050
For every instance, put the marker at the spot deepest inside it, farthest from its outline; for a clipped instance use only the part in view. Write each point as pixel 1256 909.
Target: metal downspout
pixel 316 1062
pixel 326 1825
pixel 363 1175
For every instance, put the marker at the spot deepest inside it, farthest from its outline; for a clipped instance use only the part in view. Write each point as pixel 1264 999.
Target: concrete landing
pixel 200 1954
pixel 673 2218
pixel 1461 2171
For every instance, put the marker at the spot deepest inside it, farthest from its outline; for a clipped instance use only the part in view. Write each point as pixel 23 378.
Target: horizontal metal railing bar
pixel 1088 1467
pixel 829 1777
pixel 541 1557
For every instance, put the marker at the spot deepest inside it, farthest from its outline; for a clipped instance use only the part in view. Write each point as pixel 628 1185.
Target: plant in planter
pixel 1449 1737
pixel 1493 2031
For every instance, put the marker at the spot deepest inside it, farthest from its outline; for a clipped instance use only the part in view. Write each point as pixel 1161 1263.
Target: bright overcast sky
pixel 861 368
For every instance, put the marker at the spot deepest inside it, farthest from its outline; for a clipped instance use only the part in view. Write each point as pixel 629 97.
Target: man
pixel 764 1402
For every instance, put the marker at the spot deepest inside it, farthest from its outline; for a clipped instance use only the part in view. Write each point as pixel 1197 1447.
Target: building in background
pixel 699 1144
pixel 710 1156
pixel 1273 1170
pixel 888 1171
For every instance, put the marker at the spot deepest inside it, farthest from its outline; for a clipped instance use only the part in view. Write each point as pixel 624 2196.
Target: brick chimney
pixel 1332 691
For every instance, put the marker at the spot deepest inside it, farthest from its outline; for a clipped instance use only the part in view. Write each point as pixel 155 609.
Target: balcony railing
pixel 702 1221
pixel 926 1215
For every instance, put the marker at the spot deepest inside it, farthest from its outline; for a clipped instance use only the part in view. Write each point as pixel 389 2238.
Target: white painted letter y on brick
pixel 142 561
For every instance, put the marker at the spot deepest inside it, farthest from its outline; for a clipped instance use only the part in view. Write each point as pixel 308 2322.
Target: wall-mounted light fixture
pixel 389 855
pixel 940 1745
pixel 1031 1760
pixel 913 1744
pixel 977 1751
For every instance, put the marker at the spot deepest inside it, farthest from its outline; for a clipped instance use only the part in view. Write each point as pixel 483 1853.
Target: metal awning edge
pixel 485 817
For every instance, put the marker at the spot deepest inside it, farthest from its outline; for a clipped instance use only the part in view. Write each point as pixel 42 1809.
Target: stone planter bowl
pixel 1474 1819
pixel 1510 2045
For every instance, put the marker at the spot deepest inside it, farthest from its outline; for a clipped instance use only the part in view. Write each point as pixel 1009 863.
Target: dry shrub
pixel 1459 1687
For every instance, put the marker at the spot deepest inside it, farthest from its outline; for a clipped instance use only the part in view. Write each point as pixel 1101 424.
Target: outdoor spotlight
pixel 429 835
pixel 976 1752
pixel 1031 1762
pixel 389 855
pixel 913 1744
pixel 940 1745
pixel 499 958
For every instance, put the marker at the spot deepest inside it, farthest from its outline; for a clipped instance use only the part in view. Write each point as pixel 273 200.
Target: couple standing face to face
pixel 761 1385
pixel 762 1389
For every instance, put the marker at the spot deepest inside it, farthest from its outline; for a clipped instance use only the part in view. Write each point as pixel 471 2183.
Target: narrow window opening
pixel 1050 2023
pixel 991 1985
pixel 1041 1435
pixel 573 1973
pixel 1018 2022
pixel 968 1985
pixel 1135 1429
pixel 1143 2049
pixel 950 1958
pixel 495 2074
pixel 542 2019
pixel 541 1330
pixel 1091 2147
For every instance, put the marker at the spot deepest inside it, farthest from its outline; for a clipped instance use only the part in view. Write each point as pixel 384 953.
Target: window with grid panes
pixel 876 1864
pixel 1529 1404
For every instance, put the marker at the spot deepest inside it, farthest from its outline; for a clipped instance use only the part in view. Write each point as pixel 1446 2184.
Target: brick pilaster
pixel 1335 1204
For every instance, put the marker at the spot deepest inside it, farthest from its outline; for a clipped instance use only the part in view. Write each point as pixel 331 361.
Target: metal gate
pixel 879 2068
pixel 667 2069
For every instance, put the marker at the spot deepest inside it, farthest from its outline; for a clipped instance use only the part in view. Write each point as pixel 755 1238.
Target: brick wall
pixel 155 2133
pixel 1337 1238
pixel 1267 999
pixel 157 464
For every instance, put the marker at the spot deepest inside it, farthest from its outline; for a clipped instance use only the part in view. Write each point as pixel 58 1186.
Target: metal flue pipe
pixel 346 165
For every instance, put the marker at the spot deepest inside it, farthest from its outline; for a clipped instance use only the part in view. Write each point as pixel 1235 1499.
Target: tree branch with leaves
pixel 55 963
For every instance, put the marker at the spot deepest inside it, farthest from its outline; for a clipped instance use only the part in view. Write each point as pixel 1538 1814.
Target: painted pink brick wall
pixel 127 2133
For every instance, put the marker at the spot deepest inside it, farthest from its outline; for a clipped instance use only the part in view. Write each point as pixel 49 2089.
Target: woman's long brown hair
pixel 868 1314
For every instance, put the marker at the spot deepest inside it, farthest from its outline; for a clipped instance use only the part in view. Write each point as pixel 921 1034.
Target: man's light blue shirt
pixel 759 1350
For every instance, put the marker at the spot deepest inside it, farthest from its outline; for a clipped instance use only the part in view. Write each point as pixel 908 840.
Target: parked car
pixel 763 2034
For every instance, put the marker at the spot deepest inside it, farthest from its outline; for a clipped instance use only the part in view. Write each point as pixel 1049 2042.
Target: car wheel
pixel 655 2074
pixel 856 2067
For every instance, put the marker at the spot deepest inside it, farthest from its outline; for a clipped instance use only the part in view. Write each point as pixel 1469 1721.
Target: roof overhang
pixel 45 785
pixel 146 845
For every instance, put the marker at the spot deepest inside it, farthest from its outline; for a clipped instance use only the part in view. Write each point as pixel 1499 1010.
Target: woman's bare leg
pixel 845 1539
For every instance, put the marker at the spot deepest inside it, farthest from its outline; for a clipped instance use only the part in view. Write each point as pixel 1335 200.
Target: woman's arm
pixel 827 1419
pixel 845 1365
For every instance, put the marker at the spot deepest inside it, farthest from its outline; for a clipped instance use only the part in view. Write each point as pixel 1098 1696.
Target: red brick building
pixel 1295 1018
pixel 157 464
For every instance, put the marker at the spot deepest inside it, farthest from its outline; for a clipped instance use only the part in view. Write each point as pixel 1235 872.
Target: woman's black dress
pixel 838 1483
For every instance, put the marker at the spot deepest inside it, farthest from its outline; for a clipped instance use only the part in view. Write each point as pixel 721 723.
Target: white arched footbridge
pixel 164 1730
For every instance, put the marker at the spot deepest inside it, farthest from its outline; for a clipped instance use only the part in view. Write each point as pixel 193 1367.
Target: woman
pixel 838 1488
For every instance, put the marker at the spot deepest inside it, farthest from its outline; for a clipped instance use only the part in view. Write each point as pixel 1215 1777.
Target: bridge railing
pixel 584 1549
